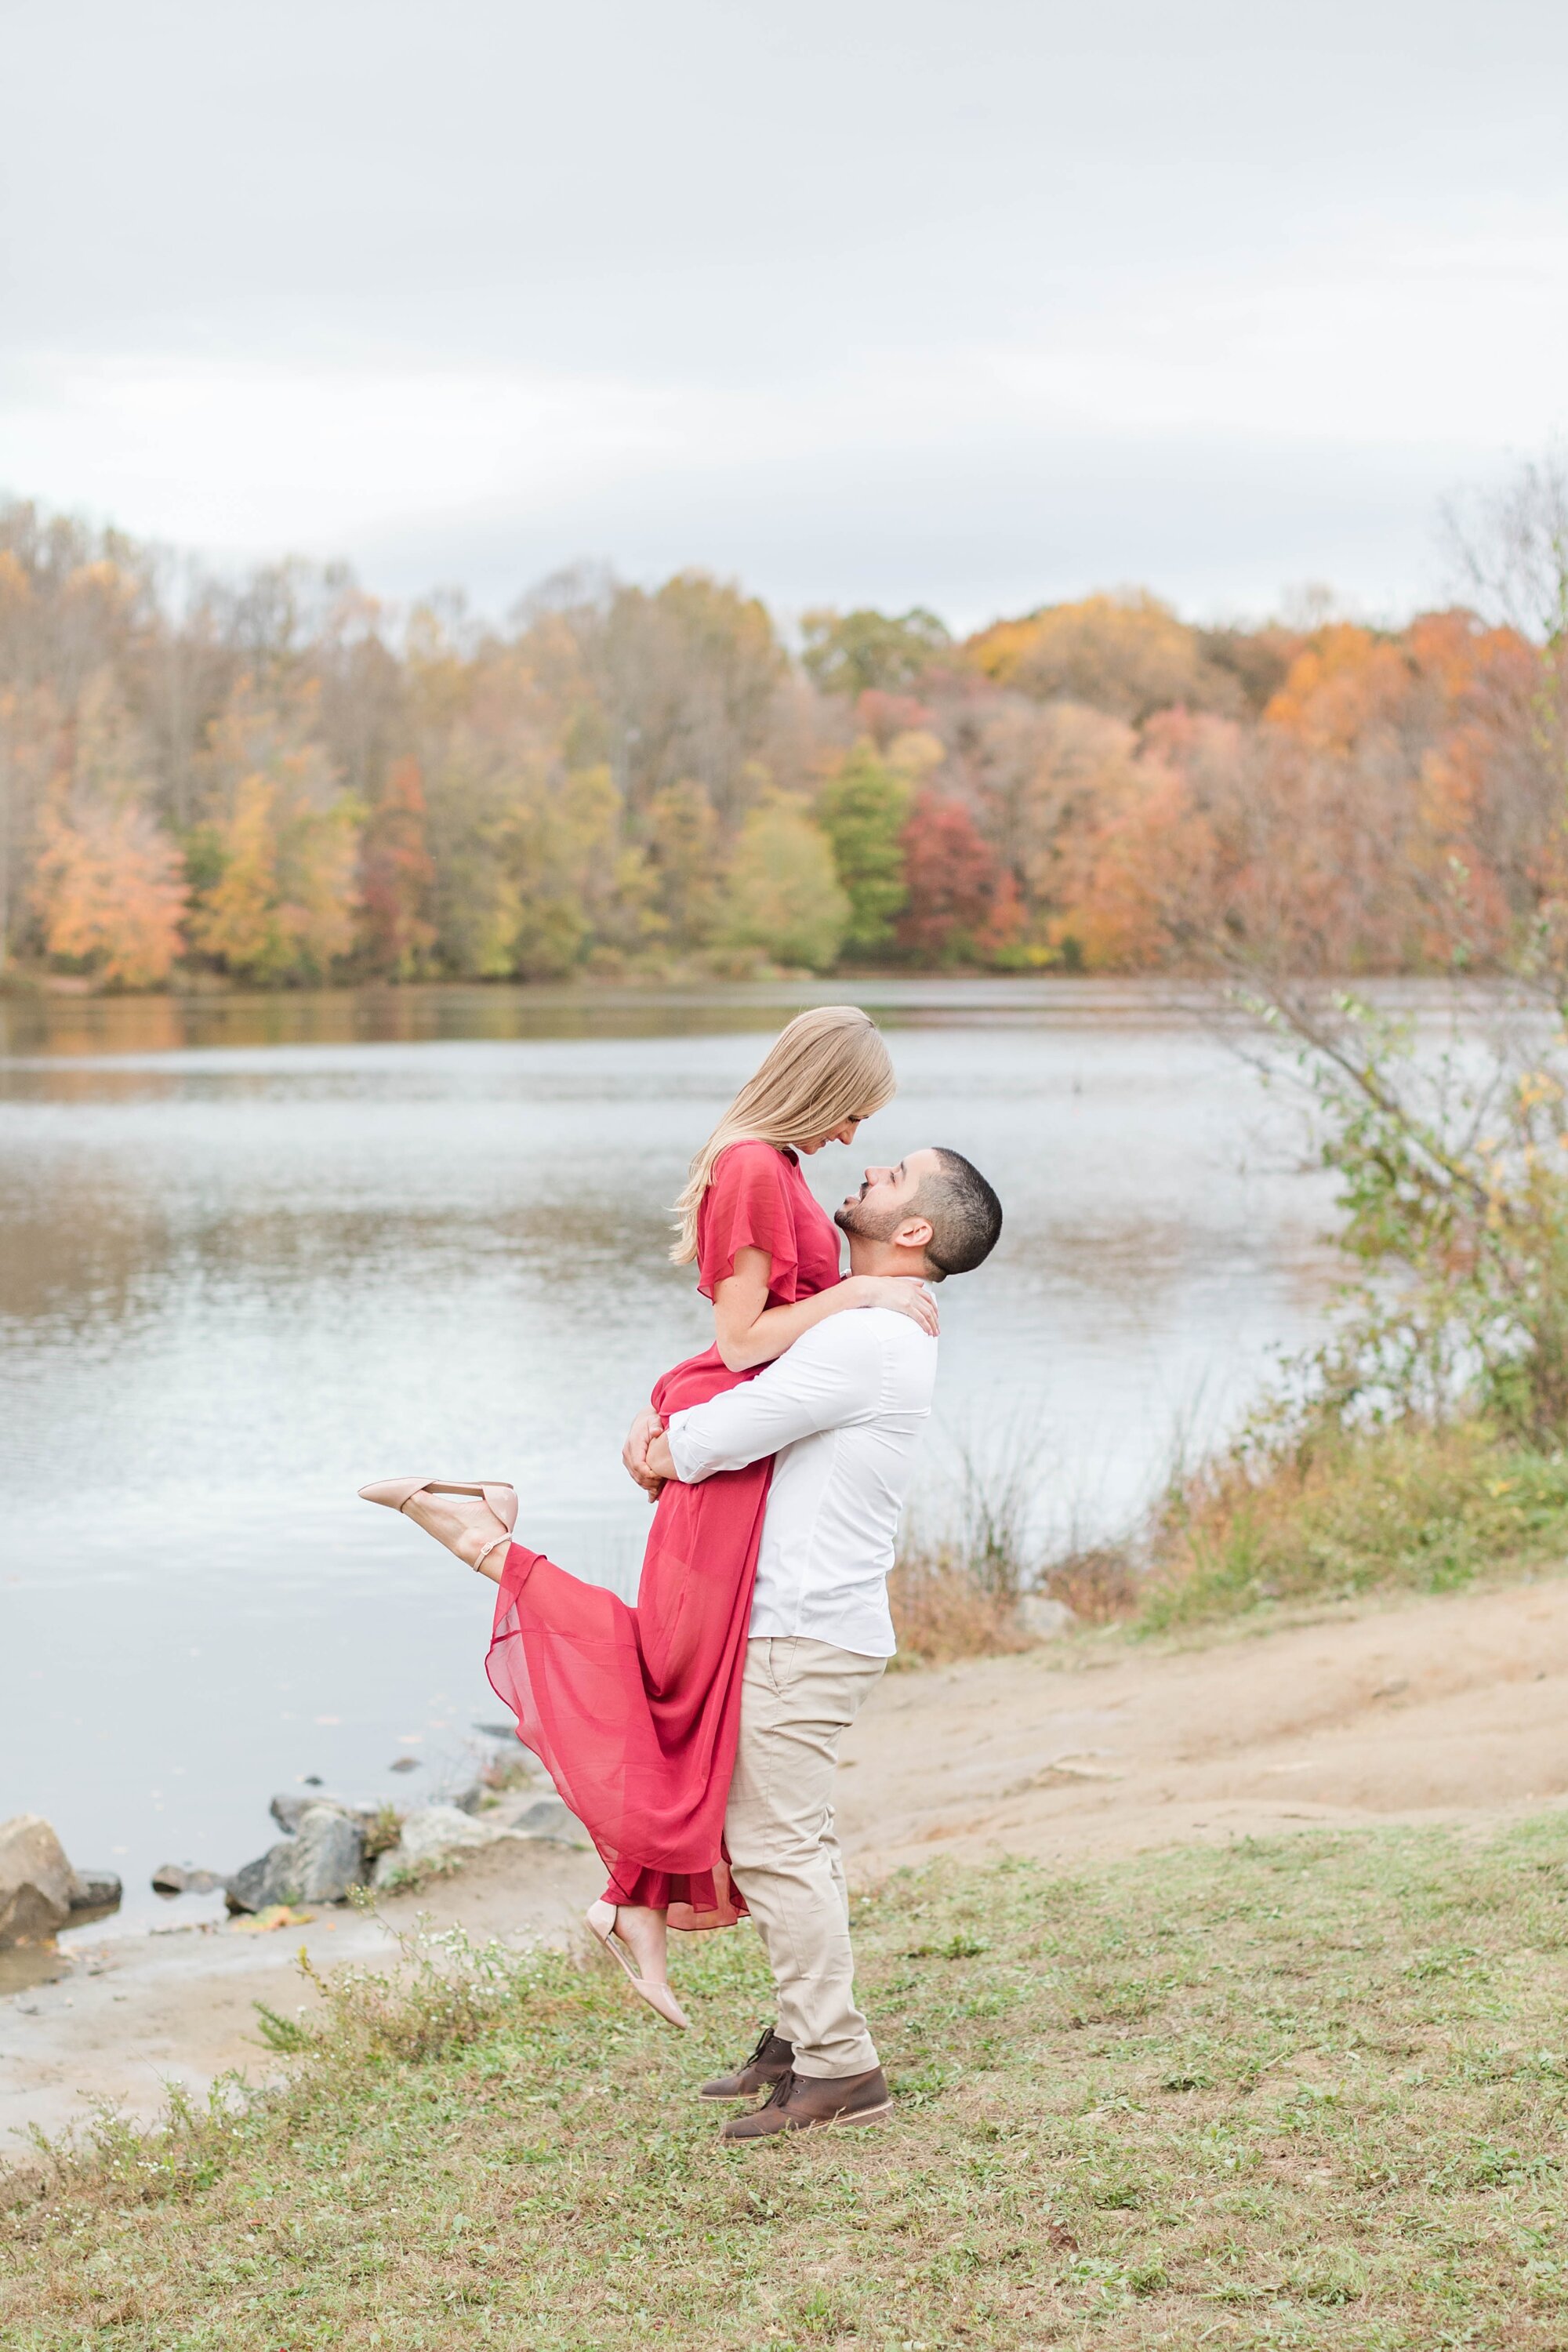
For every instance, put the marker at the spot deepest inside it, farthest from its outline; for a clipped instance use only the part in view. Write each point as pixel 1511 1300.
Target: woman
pixel 634 1711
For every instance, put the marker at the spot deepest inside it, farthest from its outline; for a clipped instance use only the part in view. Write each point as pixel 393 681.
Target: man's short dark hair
pixel 965 1215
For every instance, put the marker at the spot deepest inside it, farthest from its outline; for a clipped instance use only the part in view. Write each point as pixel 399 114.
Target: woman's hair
pixel 827 1067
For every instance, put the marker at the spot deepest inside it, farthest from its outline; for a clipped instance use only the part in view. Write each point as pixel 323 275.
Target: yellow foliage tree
pixel 784 894
pixel 282 903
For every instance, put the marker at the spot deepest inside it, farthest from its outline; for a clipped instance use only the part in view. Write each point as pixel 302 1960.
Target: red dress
pixel 635 1712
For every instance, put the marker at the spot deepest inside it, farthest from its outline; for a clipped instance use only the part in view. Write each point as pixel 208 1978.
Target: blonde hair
pixel 827 1067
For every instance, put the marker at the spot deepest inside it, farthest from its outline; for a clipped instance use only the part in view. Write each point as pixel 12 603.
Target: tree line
pixel 280 782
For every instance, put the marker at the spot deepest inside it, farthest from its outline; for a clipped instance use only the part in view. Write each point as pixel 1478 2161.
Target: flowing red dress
pixel 635 1712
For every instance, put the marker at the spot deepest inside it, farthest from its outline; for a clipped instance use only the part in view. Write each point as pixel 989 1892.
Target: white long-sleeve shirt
pixel 841 1410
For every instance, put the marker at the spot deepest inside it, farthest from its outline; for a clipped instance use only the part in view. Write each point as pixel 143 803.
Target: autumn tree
pixel 277 899
pixel 1128 654
pixel 950 874
pixel 108 886
pixel 866 651
pixel 783 897
pixel 680 832
pixel 397 875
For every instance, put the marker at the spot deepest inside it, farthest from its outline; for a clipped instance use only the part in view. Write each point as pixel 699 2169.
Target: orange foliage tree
pixel 110 890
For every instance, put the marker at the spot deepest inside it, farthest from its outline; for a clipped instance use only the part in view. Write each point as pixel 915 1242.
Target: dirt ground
pixel 1452 1710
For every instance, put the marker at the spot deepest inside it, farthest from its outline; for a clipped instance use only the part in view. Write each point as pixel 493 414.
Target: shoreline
pixel 1397 1710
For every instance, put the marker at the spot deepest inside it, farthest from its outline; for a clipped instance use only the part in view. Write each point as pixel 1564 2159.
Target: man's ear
pixel 915 1232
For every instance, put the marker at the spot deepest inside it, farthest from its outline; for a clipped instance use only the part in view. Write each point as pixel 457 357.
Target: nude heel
pixel 397 1494
pixel 601 1918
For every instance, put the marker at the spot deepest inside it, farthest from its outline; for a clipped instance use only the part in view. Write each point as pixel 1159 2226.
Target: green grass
pixel 1307 2093
pixel 1408 1507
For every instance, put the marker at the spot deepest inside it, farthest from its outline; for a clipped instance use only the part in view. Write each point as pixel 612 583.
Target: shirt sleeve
pixel 832 1375
pixel 747 1206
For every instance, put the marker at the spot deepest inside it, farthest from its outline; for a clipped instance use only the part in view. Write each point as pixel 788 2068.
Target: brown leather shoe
pixel 800 2102
pixel 768 2063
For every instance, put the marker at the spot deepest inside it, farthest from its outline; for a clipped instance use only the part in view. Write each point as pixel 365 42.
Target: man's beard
pixel 871 1225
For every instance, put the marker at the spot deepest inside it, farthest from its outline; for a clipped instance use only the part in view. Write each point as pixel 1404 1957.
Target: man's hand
pixel 635 1453
pixel 659 1459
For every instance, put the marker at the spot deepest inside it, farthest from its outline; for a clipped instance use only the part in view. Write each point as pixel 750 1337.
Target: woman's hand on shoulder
pixel 901 1292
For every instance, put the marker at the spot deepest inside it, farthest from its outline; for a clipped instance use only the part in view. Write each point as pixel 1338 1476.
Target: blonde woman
pixel 635 1712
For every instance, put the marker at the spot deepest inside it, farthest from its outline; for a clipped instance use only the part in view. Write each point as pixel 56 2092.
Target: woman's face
pixel 845 1134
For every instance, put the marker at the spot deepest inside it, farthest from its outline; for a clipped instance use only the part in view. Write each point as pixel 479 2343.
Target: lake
pixel 255 1250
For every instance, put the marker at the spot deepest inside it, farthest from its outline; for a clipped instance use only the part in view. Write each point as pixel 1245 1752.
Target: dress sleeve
pixel 747 1206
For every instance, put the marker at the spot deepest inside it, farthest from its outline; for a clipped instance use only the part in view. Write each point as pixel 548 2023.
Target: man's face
pixel 886 1198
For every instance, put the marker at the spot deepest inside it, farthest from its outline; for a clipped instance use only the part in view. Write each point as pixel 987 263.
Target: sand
pixel 1452 1710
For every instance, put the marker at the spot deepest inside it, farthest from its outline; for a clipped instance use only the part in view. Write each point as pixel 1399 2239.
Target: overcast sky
pixel 962 302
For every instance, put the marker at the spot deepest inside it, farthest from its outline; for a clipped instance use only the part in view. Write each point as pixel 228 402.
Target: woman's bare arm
pixel 749 1332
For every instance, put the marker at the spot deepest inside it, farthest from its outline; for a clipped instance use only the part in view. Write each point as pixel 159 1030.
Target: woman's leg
pixel 466 1525
pixel 646 1936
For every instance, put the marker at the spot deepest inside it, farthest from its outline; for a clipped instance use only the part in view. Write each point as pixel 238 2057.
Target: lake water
pixel 254 1252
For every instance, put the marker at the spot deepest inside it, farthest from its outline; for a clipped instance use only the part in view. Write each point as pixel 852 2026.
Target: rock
pixel 329 1856
pixel 469 1797
pixel 99 1890
pixel 433 1829
pixel 549 1817
pixel 290 1807
pixel 265 1882
pixel 404 1764
pixel 37 1884
pixel 320 1865
pixel 1044 1617
pixel 174 1878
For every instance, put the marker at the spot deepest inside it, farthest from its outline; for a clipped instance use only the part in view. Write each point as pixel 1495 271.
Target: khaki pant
pixel 797 1700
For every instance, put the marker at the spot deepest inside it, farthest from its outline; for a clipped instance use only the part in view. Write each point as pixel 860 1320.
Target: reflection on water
pixel 254 1251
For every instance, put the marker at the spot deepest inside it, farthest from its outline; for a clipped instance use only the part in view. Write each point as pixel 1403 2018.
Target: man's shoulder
pixel 863 1334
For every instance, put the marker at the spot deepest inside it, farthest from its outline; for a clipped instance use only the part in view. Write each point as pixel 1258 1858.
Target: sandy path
pixel 1454 1709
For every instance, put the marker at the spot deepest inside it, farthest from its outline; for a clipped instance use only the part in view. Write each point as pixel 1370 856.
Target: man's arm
pixel 831 1376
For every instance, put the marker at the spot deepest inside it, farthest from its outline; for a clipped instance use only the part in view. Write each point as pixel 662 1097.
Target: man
pixel 841 1412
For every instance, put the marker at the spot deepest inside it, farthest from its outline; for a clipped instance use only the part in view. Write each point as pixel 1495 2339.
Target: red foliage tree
pixel 951 873
pixel 397 874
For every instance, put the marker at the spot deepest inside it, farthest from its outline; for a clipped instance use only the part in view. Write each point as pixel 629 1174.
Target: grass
pixel 1307 2093
pixel 1409 1508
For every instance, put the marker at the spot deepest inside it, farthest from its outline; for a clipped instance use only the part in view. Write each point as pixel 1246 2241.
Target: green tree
pixel 849 653
pixel 784 896
pixel 863 810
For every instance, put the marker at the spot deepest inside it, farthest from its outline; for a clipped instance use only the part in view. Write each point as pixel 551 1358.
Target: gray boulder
pixel 179 1878
pixel 38 1888
pixel 436 1829
pixel 99 1890
pixel 549 1817
pixel 290 1807
pixel 268 1880
pixel 431 1830
pixel 320 1865
pixel 329 1854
